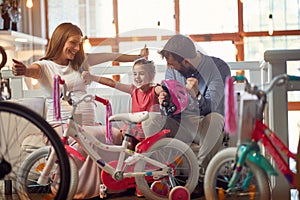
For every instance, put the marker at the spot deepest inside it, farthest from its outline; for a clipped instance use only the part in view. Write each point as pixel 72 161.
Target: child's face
pixel 140 75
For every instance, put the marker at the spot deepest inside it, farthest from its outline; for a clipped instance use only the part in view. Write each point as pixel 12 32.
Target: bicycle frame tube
pixel 269 140
pixel 251 152
pixel 81 137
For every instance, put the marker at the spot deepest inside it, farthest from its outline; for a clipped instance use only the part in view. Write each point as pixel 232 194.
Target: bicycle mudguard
pixel 149 141
pixel 262 162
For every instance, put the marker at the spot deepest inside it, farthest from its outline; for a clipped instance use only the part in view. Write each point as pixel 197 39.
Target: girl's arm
pixel 106 81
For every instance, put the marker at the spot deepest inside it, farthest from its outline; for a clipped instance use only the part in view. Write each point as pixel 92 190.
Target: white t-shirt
pixel 74 83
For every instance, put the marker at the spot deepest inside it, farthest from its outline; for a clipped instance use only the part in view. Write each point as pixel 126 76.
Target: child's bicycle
pixel 242 172
pixel 161 168
pixel 18 122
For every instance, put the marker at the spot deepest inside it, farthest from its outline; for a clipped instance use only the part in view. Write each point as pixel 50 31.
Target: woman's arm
pixel 19 69
pixel 98 58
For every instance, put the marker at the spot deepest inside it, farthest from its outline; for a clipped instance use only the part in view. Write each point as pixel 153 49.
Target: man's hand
pixel 192 86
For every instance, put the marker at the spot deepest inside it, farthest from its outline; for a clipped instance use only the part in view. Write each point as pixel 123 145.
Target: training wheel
pixel 179 193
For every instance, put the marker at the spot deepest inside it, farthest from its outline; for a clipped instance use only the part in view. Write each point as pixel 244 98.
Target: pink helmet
pixel 178 96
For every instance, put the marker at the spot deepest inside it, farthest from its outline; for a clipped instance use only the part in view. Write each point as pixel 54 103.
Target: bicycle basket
pixel 247 115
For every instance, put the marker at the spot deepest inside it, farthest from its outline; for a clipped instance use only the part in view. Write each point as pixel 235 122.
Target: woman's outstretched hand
pixel 144 52
pixel 18 68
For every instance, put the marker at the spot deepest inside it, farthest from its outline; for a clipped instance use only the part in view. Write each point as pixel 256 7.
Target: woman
pixel 65 57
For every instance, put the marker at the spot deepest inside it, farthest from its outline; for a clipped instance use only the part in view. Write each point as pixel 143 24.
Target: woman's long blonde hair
pixel 58 40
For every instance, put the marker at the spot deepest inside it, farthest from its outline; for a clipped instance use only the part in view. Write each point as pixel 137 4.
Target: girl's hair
pixel 148 65
pixel 58 40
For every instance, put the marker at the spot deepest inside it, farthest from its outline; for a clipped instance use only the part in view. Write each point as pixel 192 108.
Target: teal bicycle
pixel 242 172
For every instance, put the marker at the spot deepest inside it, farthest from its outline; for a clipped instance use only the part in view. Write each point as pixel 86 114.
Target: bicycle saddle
pixel 130 117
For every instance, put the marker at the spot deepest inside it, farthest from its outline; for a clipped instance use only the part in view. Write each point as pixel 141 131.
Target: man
pixel 204 77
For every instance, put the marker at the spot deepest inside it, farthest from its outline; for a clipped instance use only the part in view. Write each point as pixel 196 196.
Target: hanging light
pixel 29 3
pixel 271 26
pixel 86 44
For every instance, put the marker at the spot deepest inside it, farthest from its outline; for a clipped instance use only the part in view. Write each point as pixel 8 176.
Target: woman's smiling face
pixel 71 47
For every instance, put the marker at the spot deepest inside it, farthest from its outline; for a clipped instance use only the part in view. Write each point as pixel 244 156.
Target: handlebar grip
pixel 101 100
pixel 294 78
pixel 239 78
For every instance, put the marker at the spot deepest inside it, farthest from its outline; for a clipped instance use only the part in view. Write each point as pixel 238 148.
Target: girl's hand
pixel 163 98
pixel 88 77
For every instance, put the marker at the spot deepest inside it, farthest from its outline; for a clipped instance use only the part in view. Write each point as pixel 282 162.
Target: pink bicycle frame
pixel 275 147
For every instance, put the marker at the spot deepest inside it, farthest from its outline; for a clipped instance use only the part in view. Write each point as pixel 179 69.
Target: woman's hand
pixel 144 52
pixel 18 68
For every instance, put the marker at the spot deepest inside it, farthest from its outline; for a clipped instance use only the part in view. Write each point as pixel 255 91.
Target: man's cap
pixel 181 45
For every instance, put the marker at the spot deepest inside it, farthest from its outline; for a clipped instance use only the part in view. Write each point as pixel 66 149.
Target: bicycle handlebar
pixel 86 98
pixel 101 100
pixel 277 80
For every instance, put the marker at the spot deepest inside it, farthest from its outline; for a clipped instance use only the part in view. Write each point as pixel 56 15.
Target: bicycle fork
pixel 250 152
pixel 44 176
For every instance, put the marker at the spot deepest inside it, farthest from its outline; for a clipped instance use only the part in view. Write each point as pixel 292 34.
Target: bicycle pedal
pixel 103 191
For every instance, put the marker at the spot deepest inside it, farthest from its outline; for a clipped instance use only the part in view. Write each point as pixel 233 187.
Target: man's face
pixel 174 64
pixel 183 67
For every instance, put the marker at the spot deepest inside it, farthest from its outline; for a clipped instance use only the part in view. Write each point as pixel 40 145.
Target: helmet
pixel 178 96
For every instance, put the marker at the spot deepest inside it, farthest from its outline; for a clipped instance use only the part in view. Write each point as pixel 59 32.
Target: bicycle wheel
pixel 32 167
pixel 220 170
pixel 17 123
pixel 180 157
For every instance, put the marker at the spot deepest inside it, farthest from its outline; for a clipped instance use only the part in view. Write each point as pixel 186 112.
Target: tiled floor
pixel 130 195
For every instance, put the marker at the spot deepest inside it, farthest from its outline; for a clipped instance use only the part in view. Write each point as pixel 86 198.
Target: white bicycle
pixel 162 168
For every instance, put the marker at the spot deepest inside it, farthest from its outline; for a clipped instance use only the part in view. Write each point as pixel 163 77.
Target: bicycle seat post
pixel 127 135
pixel 129 138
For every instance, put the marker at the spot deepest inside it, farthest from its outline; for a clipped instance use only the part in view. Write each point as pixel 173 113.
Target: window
pixel 285 14
pixel 202 16
pixel 150 20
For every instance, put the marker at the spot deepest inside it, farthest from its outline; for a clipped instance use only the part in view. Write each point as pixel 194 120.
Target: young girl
pixel 143 91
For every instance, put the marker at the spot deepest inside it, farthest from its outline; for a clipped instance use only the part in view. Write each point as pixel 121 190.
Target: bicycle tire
pixel 178 155
pixel 4 57
pixel 16 123
pixel 34 163
pixel 220 170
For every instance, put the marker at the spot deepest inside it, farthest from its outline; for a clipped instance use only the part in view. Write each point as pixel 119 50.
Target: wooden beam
pixel 294 106
pixel 177 16
pixel 115 46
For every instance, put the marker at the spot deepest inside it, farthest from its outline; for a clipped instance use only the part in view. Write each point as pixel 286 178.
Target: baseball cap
pixel 181 45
